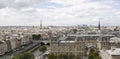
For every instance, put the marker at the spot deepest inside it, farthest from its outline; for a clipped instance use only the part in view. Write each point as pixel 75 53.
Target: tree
pixel 24 56
pixel 42 48
pixel 36 36
pixel 74 31
pixel 71 56
pixel 60 56
pixel 27 56
pixel 65 56
pixel 91 57
pixel 76 57
pixel 94 54
pixel 51 56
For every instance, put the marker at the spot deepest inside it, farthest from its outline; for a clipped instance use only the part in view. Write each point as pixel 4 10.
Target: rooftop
pixel 78 35
pixel 115 39
pixel 1 42
pixel 67 41
pixel 115 51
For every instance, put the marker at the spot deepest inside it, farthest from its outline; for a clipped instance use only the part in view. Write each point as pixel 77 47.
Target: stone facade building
pixel 107 44
pixel 113 53
pixel 67 48
pixel 3 47
pixel 77 45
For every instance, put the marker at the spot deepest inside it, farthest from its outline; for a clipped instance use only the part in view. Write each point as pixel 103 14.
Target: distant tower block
pixel 99 25
pixel 41 24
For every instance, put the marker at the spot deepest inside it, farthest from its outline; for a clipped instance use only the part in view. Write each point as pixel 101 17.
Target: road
pixel 40 55
pixel 11 54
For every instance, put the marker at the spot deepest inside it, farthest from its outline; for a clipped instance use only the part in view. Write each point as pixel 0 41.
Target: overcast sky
pixel 59 12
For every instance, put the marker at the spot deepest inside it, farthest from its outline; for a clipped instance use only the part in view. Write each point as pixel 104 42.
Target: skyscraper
pixel 99 25
pixel 41 24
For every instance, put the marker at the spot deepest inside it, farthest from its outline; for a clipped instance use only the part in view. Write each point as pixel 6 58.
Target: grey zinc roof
pixel 80 35
pixel 67 41
pixel 62 38
pixel 115 39
pixel 115 51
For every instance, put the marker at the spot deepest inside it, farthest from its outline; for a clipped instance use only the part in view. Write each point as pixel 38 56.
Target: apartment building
pixel 113 53
pixel 77 45
pixel 3 47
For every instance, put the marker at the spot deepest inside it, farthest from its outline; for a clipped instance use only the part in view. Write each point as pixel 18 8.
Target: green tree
pixel 60 56
pixel 71 56
pixel 42 48
pixel 65 57
pixel 51 56
pixel 24 56
pixel 27 56
pixel 91 57
pixel 74 30
pixel 76 57
pixel 36 36
pixel 94 55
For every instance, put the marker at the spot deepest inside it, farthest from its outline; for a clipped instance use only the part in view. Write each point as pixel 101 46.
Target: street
pixel 11 54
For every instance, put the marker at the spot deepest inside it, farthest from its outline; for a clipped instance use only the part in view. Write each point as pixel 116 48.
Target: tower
pixel 99 25
pixel 41 24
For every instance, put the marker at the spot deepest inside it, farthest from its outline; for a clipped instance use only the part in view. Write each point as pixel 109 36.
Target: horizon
pixel 59 25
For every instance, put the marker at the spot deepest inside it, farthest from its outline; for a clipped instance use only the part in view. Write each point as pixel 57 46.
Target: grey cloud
pixel 5 3
pixel 2 5
pixel 81 13
pixel 19 3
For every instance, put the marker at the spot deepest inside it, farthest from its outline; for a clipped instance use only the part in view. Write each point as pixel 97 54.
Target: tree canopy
pixel 27 56
pixel 42 48
pixel 74 30
pixel 51 56
pixel 24 56
pixel 94 55
pixel 36 36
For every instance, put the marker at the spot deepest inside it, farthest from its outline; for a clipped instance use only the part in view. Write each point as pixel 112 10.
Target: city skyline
pixel 59 12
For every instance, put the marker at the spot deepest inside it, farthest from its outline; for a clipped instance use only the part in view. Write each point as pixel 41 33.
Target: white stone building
pixel 3 47
pixel 113 53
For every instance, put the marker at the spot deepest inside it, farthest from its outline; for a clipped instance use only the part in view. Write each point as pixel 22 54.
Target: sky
pixel 59 12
